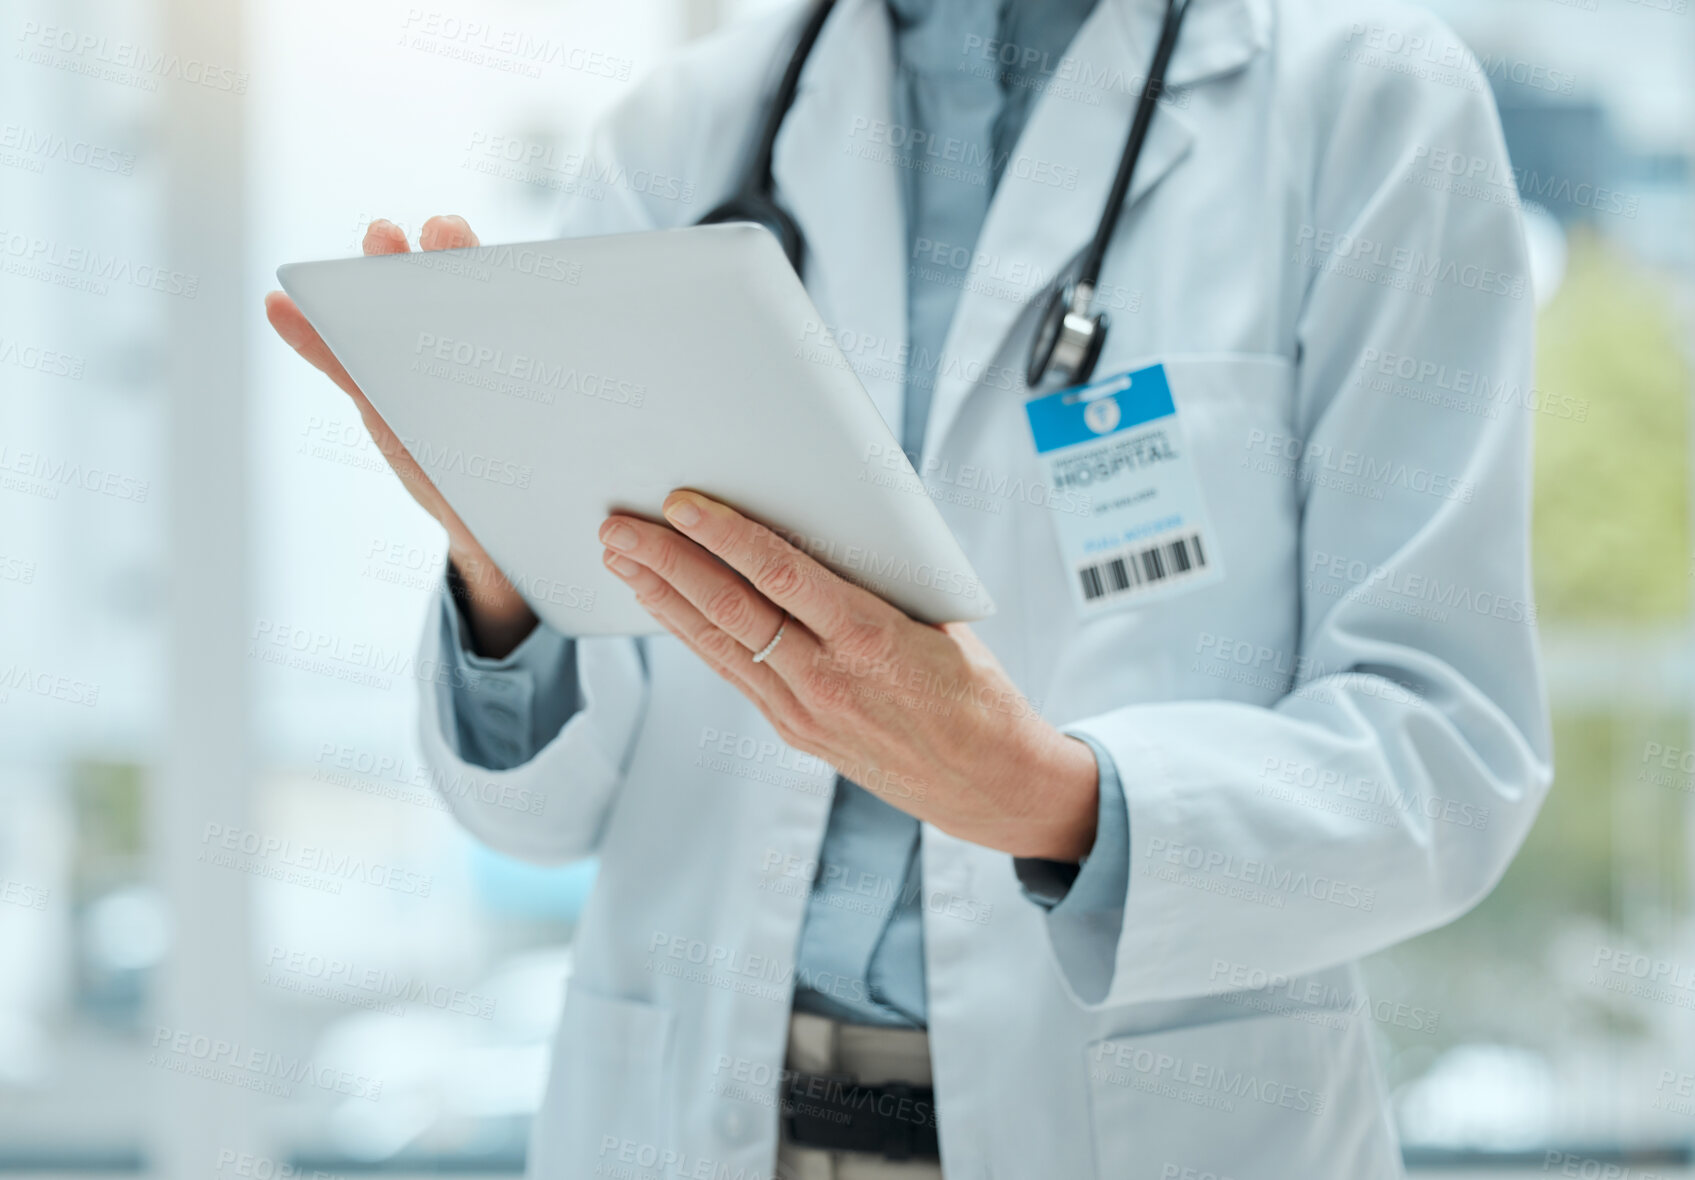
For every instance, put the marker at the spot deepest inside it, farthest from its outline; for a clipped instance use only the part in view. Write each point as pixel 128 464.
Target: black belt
pixel 894 1120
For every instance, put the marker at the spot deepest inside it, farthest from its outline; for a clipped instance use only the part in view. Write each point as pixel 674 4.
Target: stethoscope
pixel 1068 338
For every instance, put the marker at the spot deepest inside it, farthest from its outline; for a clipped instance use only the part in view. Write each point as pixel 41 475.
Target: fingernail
pixel 683 513
pixel 622 566
pixel 617 536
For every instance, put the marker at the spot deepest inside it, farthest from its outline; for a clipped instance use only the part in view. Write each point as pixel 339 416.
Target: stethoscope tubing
pixel 1147 103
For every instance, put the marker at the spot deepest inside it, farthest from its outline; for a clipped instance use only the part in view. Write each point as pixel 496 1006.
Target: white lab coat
pixel 1319 761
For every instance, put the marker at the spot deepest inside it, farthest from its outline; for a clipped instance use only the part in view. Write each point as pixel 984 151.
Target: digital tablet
pixel 544 385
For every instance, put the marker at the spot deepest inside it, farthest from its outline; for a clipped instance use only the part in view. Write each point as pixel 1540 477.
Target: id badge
pixel 1116 449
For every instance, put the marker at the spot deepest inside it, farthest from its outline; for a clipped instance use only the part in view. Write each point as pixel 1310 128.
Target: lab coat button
pixel 735 1124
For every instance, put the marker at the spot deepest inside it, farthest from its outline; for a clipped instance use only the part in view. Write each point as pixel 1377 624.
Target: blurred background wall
pixel 179 782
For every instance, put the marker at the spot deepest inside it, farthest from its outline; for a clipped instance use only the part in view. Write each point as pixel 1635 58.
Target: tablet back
pixel 544 385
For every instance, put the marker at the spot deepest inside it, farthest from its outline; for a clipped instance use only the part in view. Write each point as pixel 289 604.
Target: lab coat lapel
pixel 1038 224
pixel 840 182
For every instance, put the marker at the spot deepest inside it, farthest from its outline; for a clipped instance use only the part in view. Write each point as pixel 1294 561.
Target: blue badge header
pixel 1084 413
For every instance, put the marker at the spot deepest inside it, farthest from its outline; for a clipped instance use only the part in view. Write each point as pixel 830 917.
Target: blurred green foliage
pixel 109 803
pixel 1612 474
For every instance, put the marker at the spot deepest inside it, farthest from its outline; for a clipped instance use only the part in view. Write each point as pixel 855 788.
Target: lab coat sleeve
pixel 1387 792
pixel 552 807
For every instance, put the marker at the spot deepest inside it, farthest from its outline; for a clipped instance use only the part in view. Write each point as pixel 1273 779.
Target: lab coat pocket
pixel 1284 1097
pixel 607 1100
pixel 1238 415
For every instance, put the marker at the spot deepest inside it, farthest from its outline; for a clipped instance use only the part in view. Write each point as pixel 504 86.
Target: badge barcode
pixel 1136 569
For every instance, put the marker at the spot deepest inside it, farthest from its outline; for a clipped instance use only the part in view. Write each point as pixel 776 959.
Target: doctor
pixel 1086 896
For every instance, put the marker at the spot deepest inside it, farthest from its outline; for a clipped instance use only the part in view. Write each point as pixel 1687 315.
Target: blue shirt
pixel 864 919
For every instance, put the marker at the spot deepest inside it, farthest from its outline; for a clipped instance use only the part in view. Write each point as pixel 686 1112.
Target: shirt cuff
pixel 508 708
pixel 1100 883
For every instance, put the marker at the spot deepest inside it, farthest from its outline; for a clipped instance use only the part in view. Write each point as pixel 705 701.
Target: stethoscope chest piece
pixel 1068 339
